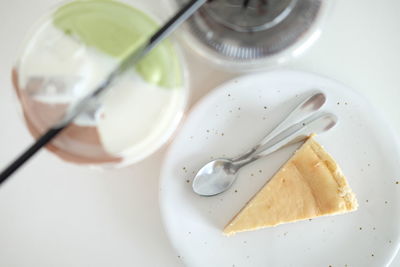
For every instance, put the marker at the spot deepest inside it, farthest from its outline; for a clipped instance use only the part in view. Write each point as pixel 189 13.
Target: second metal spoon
pixel 217 176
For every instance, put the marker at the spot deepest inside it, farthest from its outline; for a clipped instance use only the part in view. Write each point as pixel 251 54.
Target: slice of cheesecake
pixel 309 185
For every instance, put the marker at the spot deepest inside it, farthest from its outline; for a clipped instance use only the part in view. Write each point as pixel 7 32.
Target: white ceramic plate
pixel 233 118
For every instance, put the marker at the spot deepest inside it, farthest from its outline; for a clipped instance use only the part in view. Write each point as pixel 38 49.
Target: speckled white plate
pixel 234 117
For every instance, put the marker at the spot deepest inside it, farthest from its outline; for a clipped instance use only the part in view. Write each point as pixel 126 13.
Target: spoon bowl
pixel 215 177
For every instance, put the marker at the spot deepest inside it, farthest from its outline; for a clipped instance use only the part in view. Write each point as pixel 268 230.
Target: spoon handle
pixel 312 102
pixel 314 124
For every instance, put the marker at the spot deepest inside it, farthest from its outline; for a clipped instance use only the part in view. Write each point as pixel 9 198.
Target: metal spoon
pixel 218 175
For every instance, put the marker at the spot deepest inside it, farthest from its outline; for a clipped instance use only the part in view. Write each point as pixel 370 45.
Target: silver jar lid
pixel 252 32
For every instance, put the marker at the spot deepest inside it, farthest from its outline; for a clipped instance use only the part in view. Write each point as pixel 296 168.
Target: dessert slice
pixel 309 185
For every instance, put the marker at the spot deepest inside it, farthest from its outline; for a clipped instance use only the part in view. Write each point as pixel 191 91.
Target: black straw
pixel 42 141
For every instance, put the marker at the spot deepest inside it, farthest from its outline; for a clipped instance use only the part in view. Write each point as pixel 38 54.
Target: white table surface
pixel 58 214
